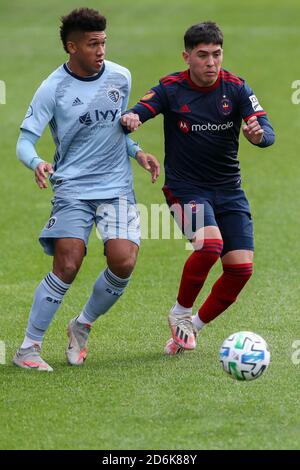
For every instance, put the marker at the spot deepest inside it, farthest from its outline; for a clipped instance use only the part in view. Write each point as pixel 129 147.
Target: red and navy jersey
pixel 202 126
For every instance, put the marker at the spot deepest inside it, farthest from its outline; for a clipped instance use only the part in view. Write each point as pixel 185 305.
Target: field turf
pixel 129 395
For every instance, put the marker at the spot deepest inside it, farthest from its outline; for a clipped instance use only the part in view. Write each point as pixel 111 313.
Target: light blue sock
pixel 107 289
pixel 47 298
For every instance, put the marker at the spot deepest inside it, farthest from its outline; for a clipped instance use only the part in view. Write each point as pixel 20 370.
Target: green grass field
pixel 129 395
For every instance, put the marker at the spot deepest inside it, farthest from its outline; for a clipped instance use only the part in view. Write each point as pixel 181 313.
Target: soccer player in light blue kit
pixel 82 101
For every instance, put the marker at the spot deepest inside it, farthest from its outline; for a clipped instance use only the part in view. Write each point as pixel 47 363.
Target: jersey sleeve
pixel 249 104
pixel 26 151
pixel 126 97
pixel 152 103
pixel 40 111
pixel 132 147
pixel 269 134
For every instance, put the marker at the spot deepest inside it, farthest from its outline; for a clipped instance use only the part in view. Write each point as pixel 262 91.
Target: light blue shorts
pixel 74 218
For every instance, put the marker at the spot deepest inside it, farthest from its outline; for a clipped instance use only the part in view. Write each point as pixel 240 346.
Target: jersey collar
pixel 204 89
pixel 85 79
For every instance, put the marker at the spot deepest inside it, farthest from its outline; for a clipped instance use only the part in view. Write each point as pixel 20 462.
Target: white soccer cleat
pixel 171 348
pixel 30 358
pixel 77 349
pixel 183 330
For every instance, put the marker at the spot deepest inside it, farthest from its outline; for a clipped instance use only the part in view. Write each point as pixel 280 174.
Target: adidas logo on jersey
pixel 185 109
pixel 77 102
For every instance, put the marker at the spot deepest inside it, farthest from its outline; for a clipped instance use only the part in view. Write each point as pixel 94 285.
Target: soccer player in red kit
pixel 203 109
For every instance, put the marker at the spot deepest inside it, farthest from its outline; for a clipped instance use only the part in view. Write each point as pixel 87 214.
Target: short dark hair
pixel 83 20
pixel 207 32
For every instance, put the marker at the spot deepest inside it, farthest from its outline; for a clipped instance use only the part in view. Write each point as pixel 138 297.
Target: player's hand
pixel 131 121
pixel 41 174
pixel 150 163
pixel 252 131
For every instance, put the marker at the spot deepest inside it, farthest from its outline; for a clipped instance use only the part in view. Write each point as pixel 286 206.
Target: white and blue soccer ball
pixel 244 355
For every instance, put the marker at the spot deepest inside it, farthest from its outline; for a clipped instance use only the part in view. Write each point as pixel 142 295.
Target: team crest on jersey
pixel 184 126
pixel 225 106
pixel 148 95
pixel 51 222
pixel 113 94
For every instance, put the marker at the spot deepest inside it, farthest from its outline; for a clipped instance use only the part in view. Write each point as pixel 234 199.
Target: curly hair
pixel 83 20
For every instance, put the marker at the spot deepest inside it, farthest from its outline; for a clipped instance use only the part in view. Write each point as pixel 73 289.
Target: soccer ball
pixel 244 355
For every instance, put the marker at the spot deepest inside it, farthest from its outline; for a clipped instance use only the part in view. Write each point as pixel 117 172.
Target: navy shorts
pixel 227 209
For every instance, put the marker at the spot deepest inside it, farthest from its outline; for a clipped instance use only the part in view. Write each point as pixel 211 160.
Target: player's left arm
pixel 146 160
pixel 132 147
pixel 257 129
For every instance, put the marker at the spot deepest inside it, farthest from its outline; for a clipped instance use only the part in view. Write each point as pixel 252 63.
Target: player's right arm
pixel 27 154
pixel 39 114
pixel 153 103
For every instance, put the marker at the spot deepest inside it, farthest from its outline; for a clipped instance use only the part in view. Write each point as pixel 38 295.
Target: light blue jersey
pixel 91 159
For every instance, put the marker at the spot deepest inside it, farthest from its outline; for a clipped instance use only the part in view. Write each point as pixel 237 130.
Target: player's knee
pixel 124 266
pixel 67 270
